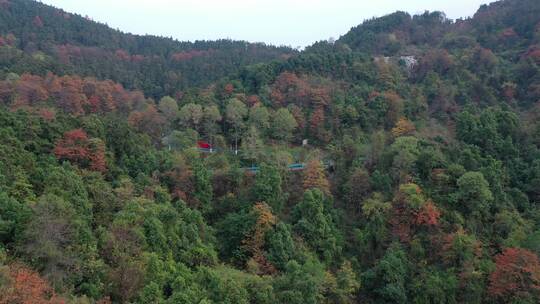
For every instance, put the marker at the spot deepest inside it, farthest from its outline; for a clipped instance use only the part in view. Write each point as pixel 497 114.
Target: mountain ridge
pixel 397 164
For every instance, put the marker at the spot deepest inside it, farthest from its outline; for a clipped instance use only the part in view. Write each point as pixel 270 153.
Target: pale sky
pixel 279 22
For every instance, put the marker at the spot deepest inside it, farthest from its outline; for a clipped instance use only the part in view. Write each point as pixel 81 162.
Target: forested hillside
pixel 397 164
pixel 49 39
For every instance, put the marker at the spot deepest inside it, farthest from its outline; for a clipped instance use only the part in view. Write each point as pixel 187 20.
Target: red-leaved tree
pixel 71 98
pixel 516 276
pixel 37 21
pixel 149 121
pixel 73 146
pixel 428 215
pixel 76 147
pixel 29 91
pixel 97 155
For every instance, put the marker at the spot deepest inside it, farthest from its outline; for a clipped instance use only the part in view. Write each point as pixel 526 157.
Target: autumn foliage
pixel 38 22
pixel 72 146
pixel 289 88
pixel 188 55
pixel 402 221
pixel 29 90
pixel 4 4
pixel 255 242
pixel 97 155
pixel 316 124
pixel 401 158
pixel 517 275
pixel 71 94
pixel 403 127
pixel 459 248
pixel 314 177
pixel 76 147
pixel 411 212
pixel 47 114
pixel 149 121
pixel 428 215
pixel 25 286
pixel 534 53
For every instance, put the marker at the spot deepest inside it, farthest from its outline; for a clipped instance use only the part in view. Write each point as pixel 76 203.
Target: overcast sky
pixel 279 22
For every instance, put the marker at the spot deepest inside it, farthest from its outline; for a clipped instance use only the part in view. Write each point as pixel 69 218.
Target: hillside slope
pixel 159 66
pixel 398 164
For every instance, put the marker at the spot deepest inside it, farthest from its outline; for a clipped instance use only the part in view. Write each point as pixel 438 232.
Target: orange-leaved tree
pixel 25 286
pixel 403 127
pixel 255 242
pixel 314 177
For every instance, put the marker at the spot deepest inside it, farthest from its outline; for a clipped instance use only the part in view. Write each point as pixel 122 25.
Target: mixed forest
pixel 399 163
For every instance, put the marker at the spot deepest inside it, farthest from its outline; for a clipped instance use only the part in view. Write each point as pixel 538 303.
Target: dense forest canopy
pixel 50 39
pixel 397 164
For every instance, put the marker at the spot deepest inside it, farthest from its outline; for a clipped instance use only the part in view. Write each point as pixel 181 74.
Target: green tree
pixel 13 218
pixel 191 115
pixel 230 232
pixel 59 242
pixel 181 140
pixel 211 117
pixel 375 231
pixel 21 189
pixel 315 225
pixel 346 285
pixel 203 187
pixel 510 229
pixel 473 193
pixel 267 187
pixel 406 152
pixel 280 245
pixel 259 118
pixel 252 145
pixel 283 124
pixel 388 279
pixel 168 106
pixel 435 286
pixel 301 283
pixel 235 112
